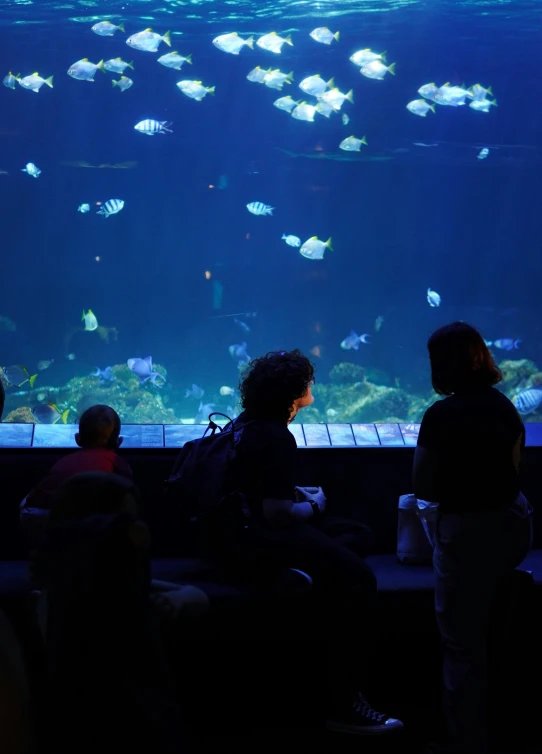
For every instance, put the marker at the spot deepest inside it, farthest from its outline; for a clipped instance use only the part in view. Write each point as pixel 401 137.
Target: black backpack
pixel 198 484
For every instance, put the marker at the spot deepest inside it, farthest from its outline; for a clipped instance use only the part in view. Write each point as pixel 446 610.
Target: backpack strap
pixel 213 426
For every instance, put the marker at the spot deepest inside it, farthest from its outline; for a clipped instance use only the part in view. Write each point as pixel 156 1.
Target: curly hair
pixel 272 383
pixel 460 360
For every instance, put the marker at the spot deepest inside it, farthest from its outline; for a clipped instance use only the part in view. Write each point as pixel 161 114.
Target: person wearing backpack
pixel 241 487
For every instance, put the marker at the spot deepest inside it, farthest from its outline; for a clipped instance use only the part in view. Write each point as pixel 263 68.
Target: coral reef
pixel 135 403
pixel 352 394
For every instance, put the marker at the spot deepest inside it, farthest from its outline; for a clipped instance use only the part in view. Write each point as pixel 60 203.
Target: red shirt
pixel 92 459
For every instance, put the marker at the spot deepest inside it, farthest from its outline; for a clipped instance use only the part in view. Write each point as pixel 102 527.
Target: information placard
pixel 142 435
pixel 341 435
pixel 55 436
pixel 16 435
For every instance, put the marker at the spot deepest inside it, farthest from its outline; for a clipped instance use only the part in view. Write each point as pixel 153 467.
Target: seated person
pixel 284 526
pixel 101 622
pixel 98 439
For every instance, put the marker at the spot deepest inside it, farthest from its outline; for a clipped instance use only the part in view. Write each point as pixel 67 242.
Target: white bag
pixel 415 530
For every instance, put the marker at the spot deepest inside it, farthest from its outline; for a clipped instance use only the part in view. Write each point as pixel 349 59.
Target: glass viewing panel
pixel 185 186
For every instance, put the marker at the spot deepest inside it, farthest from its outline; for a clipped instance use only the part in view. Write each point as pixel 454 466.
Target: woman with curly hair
pixel 287 528
pixel 467 460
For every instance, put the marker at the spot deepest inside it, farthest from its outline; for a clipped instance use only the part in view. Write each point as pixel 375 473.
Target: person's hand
pixel 313 493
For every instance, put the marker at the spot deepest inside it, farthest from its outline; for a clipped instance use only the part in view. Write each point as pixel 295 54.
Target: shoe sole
pixel 360 731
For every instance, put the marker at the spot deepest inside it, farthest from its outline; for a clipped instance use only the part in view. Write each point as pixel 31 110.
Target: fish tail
pixel 121 26
pixel 288 40
pixel 130 65
pixel 101 66
pixel 48 81
pixel 32 380
pixel 337 35
pixel 64 416
pixel 328 244
pixel 167 38
pixel 211 90
pixel 115 83
pixel 391 69
pixel 250 42
pixel 363 140
pixel 350 96
pixel 493 102
pixel 188 59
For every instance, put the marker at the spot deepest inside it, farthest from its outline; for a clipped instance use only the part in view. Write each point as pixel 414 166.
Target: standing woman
pixel 467 460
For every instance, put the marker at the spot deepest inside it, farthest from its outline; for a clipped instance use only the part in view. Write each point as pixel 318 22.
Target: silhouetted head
pixel 2 399
pixel 94 493
pixel 460 360
pixel 99 427
pixel 277 385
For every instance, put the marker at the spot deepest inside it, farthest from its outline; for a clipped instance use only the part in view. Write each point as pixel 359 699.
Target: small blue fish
pixel 353 341
pixel 507 344
pixel 433 298
pixel 242 325
pixel 238 351
pixel 204 410
pixel 142 368
pixel 528 400
pixel 105 375
pixel 196 392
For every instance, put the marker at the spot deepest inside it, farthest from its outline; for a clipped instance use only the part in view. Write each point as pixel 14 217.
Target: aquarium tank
pixel 188 184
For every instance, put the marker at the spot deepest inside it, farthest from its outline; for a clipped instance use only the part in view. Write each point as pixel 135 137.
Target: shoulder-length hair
pixel 460 360
pixel 272 383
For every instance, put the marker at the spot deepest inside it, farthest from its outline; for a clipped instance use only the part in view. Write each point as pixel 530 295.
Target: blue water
pixel 403 217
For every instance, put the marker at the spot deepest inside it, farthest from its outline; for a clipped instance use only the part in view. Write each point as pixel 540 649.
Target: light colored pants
pixel 473 554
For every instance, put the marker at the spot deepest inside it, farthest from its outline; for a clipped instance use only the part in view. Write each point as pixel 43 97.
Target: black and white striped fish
pixel 151 127
pixel 528 400
pixel 111 207
pixel 259 208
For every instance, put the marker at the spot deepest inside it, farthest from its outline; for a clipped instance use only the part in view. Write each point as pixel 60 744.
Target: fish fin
pixel 35 74
pixel 391 69
pixel 32 380
pixel 350 95
pixel 167 38
pixel 188 59
pixel 328 244
pixel 211 90
pixel 288 40
pixel 337 35
pixel 49 81
pixel 85 60
pixel 149 29
pixel 121 26
pixel 148 359
pixel 100 65
pixel 250 42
